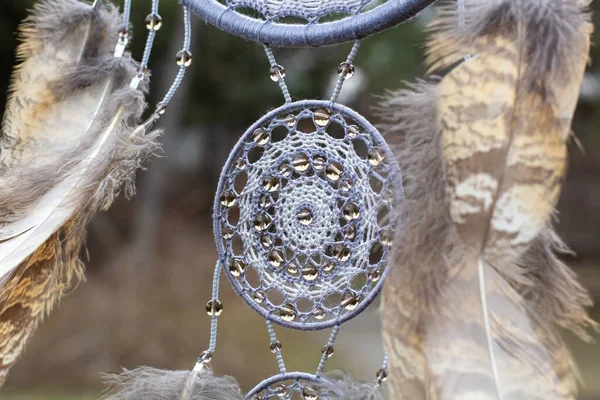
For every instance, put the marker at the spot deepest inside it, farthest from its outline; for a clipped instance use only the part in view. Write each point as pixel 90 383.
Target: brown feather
pixel 484 169
pixel 70 144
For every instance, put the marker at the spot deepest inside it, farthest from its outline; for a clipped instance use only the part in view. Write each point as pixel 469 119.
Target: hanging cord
pixel 277 74
pixel 345 71
pixel 184 60
pixel 461 11
pixel 327 350
pixel 214 308
pixel 382 374
pixel 275 347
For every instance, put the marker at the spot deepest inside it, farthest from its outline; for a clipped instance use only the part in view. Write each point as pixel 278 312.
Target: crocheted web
pixel 305 10
pixel 294 386
pixel 305 214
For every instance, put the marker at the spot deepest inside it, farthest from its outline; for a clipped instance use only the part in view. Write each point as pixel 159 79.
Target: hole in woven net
pixel 336 131
pixel 376 253
pixel 275 297
pixel 289 254
pixel 233 215
pixel 291 20
pixel 332 300
pixel 359 281
pixel 240 182
pixel 279 133
pixel 251 277
pixel 360 148
pixel 376 184
pixel 304 305
pixel 249 11
pixel 255 154
pixel 383 216
pixel 237 245
pixel 306 125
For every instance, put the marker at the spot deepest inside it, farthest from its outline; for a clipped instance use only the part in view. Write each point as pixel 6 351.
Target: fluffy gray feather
pixel 147 383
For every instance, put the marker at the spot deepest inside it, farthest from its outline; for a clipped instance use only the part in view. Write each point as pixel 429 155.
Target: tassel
pixel 70 144
pixel 473 307
pixel 346 388
pixel 149 383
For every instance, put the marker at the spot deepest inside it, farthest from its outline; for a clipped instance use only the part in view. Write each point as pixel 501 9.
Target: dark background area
pixel 151 258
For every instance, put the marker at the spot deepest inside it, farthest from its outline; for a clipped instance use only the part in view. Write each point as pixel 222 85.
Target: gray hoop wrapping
pixel 358 26
pixel 323 386
pixel 316 194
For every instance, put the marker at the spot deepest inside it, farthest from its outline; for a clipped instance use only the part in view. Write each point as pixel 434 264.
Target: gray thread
pixel 330 343
pixel 182 69
pixel 342 79
pixel 278 355
pixel 126 13
pixel 149 40
pixel 384 365
pixel 214 319
pixel 281 82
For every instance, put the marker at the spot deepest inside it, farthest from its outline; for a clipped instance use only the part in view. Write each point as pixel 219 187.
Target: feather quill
pixel 70 144
pixel 474 304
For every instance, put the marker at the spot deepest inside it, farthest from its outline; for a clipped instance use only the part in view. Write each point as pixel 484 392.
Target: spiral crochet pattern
pixel 306 211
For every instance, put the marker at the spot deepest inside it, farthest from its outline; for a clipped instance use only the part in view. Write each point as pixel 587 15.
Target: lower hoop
pixel 313 237
pixel 299 381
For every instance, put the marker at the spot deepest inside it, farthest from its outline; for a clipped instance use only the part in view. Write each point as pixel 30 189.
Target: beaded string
pixel 327 350
pixel 345 71
pixel 275 347
pixel 277 74
pixel 214 308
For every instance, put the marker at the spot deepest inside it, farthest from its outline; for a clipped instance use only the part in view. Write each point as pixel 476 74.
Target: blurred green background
pixel 151 258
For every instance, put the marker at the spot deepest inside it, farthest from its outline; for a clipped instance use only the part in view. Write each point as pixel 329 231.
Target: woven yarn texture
pixel 306 215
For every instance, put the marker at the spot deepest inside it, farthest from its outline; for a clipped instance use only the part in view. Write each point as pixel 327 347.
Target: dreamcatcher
pixel 310 202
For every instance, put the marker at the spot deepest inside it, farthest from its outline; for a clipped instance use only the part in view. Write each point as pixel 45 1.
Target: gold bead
pixel 387 237
pixel 353 131
pixel 241 164
pixel 275 346
pixel 205 357
pixel 214 308
pixel 318 162
pixel 327 351
pixel 153 22
pixel 184 58
pixel 341 252
pixel 346 70
pixel 262 222
pixel 228 232
pixel 334 170
pixel 309 274
pixel 287 312
pixel 300 162
pixel 259 296
pixel 376 156
pixel 236 267
pixel 374 274
pixel 260 136
pixel 270 183
pixel 381 375
pixel 321 117
pixel 351 211
pixel 349 232
pixel 228 198
pixel 266 241
pixel 276 73
pixel 319 313
pixel 349 301
pixel 285 170
pixel 276 258
pixel 305 216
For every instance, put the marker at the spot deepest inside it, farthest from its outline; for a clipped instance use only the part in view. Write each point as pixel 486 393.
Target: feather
pixel 70 144
pixel 473 308
pixel 155 384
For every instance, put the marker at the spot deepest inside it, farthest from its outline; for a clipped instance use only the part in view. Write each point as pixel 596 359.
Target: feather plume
pixel 473 307
pixel 70 144
pixel 149 383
